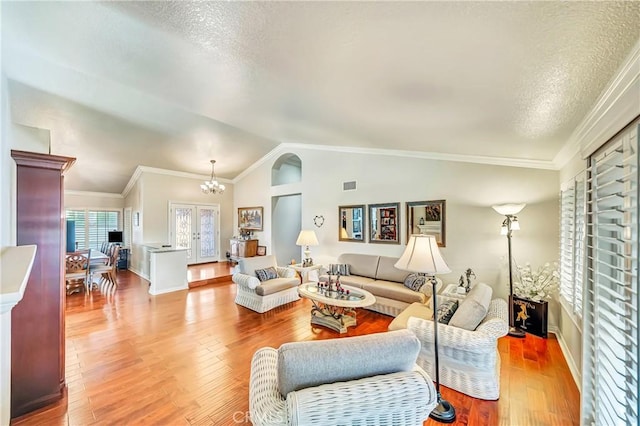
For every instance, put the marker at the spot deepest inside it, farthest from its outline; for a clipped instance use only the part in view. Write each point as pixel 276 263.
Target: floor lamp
pixel 423 256
pixel 508 225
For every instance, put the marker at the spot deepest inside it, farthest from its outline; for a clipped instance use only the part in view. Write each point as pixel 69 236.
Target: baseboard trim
pixel 573 368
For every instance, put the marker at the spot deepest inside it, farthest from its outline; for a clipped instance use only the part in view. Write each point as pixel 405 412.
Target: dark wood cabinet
pixel 243 248
pixel 37 321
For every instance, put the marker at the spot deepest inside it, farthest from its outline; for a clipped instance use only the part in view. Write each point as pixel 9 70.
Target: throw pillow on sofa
pixel 266 273
pixel 446 311
pixel 473 308
pixel 415 281
pixel 338 268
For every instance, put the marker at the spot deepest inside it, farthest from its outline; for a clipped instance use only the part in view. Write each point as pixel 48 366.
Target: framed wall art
pixel 427 217
pixel 351 223
pixel 384 223
pixel 250 218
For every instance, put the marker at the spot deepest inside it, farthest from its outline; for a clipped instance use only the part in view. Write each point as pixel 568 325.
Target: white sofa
pixel 469 360
pixel 262 296
pixel 363 380
pixel 378 275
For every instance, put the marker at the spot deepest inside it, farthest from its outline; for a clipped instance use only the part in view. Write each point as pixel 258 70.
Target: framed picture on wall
pixel 427 217
pixel 250 218
pixel 383 223
pixel 262 251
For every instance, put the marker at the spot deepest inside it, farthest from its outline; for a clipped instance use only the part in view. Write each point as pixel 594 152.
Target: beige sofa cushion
pixel 355 281
pixel 473 308
pixel 388 272
pixel 275 285
pixel 364 265
pixel 413 310
pixel 393 290
pixel 312 363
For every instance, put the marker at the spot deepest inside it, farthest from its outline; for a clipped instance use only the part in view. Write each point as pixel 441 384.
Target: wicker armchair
pixel 396 398
pixel 262 296
pixel 469 360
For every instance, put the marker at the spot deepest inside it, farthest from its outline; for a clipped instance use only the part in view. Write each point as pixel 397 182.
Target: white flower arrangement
pixel 537 285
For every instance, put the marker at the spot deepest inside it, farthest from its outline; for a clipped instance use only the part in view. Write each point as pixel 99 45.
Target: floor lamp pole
pixel 444 411
pixel 513 331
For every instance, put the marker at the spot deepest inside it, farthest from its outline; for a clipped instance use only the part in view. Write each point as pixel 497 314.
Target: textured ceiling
pixel 173 84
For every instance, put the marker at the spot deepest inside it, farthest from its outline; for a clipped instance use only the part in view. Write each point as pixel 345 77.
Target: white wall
pixel 137 261
pixel 93 200
pixel 472 227
pixel 150 196
pixel 286 227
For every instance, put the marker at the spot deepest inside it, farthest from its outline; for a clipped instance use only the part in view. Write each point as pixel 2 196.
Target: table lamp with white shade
pixel 306 238
pixel 422 256
pixel 509 224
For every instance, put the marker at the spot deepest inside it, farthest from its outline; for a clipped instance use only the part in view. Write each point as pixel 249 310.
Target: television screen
pixel 115 236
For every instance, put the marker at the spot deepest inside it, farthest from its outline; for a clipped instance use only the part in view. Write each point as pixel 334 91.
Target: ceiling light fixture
pixel 212 186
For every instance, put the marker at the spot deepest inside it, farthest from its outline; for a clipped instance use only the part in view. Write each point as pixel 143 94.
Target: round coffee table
pixel 335 310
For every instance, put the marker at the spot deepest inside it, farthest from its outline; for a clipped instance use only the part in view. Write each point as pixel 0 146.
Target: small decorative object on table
pixel 465 286
pixel 469 273
pixel 532 289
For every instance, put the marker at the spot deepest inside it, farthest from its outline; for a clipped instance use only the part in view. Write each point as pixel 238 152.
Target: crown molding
pixel 616 107
pixel 92 194
pixel 478 159
pixel 132 181
pixel 146 169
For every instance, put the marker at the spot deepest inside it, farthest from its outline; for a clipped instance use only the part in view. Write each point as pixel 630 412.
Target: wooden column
pixel 37 322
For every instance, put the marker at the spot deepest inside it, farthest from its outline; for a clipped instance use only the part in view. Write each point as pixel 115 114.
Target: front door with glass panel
pixel 196 228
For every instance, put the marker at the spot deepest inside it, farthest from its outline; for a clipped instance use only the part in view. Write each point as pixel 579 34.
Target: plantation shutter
pixel 610 331
pixel 572 236
pixel 580 230
pixel 79 217
pixel 567 218
pixel 127 228
pixel 100 223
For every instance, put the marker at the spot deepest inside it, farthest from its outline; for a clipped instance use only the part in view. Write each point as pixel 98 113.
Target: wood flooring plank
pixel 183 359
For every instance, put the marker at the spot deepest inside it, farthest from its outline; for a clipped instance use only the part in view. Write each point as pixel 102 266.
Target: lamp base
pixel 444 412
pixel 516 332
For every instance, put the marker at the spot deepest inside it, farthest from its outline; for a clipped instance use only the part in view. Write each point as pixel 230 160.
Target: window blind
pixel 78 216
pixel 93 226
pixel 572 236
pixel 610 332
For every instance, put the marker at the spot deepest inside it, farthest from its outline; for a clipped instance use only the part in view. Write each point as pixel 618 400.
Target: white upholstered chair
pixel 261 296
pixel 363 380
pixel 469 359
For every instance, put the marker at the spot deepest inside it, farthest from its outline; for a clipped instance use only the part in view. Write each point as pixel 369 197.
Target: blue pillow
pixel 266 274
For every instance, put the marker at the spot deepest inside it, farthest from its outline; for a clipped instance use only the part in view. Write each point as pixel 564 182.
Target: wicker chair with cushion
pixel 365 380
pixel 468 345
pixel 261 285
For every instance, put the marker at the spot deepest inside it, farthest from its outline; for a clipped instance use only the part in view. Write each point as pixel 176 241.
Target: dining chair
pixel 76 273
pixel 107 271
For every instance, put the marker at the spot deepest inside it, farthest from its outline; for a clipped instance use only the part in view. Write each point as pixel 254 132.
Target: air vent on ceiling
pixel 349 186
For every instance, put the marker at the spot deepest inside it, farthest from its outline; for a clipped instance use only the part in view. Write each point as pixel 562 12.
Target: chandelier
pixel 212 186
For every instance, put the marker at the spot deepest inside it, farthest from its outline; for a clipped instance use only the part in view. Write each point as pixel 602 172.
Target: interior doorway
pixel 286 222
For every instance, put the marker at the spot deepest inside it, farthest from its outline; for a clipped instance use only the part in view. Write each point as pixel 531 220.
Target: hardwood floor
pixel 184 358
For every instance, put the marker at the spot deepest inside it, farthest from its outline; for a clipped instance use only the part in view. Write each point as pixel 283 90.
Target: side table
pixel 304 271
pixel 451 292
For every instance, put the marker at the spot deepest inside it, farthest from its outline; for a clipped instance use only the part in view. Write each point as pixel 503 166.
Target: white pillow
pixel 473 308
